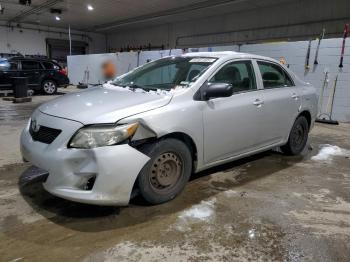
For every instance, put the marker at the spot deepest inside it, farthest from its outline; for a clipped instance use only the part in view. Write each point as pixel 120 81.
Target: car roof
pixel 23 58
pixel 228 55
pixel 211 54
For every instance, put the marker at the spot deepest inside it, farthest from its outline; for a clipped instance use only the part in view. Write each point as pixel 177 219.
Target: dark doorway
pixel 58 49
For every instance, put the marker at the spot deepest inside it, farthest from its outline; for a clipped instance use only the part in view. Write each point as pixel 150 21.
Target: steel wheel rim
pixel 166 171
pixel 49 87
pixel 298 136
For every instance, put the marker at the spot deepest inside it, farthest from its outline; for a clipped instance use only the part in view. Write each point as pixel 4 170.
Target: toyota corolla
pixel 151 128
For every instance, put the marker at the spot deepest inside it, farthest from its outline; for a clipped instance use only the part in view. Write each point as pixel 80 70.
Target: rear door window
pixel 31 65
pixel 13 66
pixel 274 76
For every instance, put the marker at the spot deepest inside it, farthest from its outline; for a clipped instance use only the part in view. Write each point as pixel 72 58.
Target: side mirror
pixel 216 90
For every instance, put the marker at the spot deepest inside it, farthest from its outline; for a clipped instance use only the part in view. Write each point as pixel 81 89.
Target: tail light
pixel 63 72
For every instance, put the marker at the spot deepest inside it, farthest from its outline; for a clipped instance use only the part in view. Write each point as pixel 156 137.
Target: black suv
pixel 43 75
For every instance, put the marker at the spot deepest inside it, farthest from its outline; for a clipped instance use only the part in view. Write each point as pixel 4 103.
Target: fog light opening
pixel 90 183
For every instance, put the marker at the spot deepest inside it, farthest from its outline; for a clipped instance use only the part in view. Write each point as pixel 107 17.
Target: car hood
pixel 103 105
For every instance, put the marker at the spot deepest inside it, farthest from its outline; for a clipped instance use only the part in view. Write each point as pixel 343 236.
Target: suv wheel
pixel 167 172
pixel 49 87
pixel 297 138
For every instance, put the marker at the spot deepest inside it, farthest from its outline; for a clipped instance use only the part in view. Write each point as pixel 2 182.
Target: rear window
pixel 31 65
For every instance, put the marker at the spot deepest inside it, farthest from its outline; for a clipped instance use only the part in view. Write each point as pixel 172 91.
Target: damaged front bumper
pixel 101 176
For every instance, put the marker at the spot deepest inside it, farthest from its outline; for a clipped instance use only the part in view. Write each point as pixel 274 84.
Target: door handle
pixel 295 96
pixel 258 102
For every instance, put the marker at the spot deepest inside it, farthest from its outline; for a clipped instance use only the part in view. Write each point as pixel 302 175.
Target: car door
pixel 231 124
pixel 31 69
pixel 8 69
pixel 281 102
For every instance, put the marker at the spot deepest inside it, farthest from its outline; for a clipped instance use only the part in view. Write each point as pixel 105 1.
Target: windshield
pixel 166 73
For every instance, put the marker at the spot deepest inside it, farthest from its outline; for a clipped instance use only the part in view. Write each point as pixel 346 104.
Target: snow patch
pixel 17 259
pixel 327 153
pixel 139 90
pixel 119 88
pixel 252 233
pixel 201 212
pixel 230 193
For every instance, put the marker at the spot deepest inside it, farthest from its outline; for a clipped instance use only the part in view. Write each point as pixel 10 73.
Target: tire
pixel 297 138
pixel 49 87
pixel 167 172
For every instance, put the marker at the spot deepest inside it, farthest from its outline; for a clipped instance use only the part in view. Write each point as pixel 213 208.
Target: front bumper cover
pixel 115 168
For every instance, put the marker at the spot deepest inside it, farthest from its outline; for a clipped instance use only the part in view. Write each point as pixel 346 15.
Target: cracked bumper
pixel 115 168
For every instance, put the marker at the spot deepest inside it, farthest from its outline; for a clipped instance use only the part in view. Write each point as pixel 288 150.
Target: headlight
pixel 97 136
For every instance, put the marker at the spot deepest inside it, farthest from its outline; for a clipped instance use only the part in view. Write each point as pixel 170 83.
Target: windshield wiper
pixel 151 89
pixel 134 86
pixel 146 88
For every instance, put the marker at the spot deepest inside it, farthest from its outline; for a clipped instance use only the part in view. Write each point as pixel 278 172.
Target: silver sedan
pixel 156 125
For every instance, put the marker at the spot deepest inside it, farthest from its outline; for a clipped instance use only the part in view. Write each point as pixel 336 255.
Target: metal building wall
pixel 329 56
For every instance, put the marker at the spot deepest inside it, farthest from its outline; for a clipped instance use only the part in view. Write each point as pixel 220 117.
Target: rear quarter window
pixel 51 66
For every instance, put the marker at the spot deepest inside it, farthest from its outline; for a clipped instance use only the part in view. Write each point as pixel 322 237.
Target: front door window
pixel 239 74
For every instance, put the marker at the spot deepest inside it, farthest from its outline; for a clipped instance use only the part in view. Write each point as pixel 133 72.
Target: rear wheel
pixel 297 138
pixel 167 172
pixel 49 87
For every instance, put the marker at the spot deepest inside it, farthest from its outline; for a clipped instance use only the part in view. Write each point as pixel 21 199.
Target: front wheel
pixel 297 138
pixel 167 172
pixel 49 87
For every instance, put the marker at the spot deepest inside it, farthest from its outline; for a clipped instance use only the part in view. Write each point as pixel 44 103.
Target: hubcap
pixel 49 87
pixel 166 171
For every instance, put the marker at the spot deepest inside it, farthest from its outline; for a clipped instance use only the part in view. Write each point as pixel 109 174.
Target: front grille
pixel 45 134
